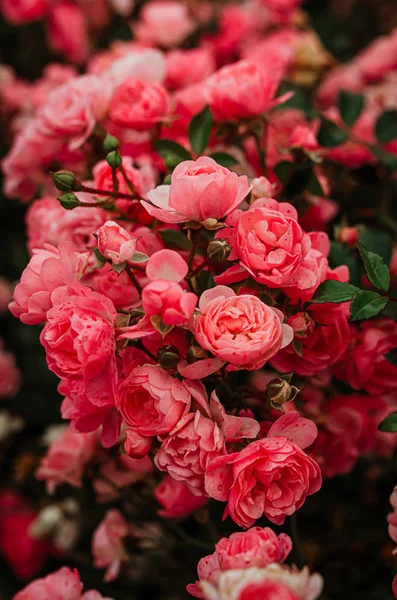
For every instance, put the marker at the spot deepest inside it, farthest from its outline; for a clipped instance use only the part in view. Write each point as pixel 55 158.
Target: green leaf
pixel 377 241
pixel 388 160
pixel 342 255
pixel 350 106
pixel 389 424
pixel 392 357
pixel 333 291
pixel 298 100
pixel 224 159
pixel 119 268
pixel 175 237
pixel 139 257
pixel 200 130
pixel 366 304
pixel 386 126
pixel 314 186
pixel 172 152
pixel 283 170
pixel 378 273
pixel 330 135
pixel 391 310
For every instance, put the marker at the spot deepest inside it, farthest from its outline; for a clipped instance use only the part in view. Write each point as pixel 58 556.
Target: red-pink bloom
pixel 23 11
pixel 176 499
pixel 364 365
pixel 121 471
pixel 304 137
pixel 107 543
pixel 137 445
pixel 324 347
pixel 185 67
pixel 261 188
pixel 138 104
pixel 103 178
pixel 10 376
pixel 257 547
pixel 63 584
pixel 48 269
pixel 115 243
pixel 67 31
pixel 117 287
pixel 261 479
pixel 164 23
pixel 66 459
pixel 199 190
pixel 392 518
pixel 240 330
pixel 243 89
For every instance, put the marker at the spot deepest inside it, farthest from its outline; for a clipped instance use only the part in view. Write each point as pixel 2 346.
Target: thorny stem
pixel 134 280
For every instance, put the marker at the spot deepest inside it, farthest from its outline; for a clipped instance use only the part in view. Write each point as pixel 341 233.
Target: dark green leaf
pixel 205 281
pixel 283 170
pixel 172 152
pixel 333 291
pixel 391 310
pixel 298 100
pixel 350 106
pixel 378 273
pixel 299 179
pixel 330 135
pixel 200 130
pixel 224 159
pixel 342 255
pixel 388 160
pixel 366 304
pixel 389 424
pixel 377 241
pixel 175 237
pixel 314 186
pixel 392 357
pixel 386 126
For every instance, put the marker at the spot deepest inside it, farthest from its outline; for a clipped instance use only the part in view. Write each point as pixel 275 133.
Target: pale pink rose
pixel 67 31
pixel 324 347
pixel 261 479
pixel 103 177
pixel 115 243
pixel 185 67
pixel 164 23
pixel 107 543
pixel 392 518
pixel 274 582
pixel 79 340
pixel 48 269
pixel 23 11
pixel 10 376
pixel 240 330
pixel 66 459
pixel 121 471
pixel 199 190
pixel 364 366
pixel 63 584
pixel 151 401
pixel 139 104
pixel 243 89
pixel 257 547
pixel 272 246
pixel 198 438
pixel 176 499
pixel 48 223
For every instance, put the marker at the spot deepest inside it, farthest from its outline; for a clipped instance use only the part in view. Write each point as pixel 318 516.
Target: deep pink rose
pixel 261 479
pixel 324 347
pixel 364 365
pixel 240 330
pixel 138 104
pixel 66 459
pixel 176 499
pixel 199 190
pixel 257 547
pixel 115 243
pixel 63 584
pixel 117 287
pixel 185 67
pixel 107 543
pixel 23 11
pixel 67 31
pixel 103 178
pixel 163 23
pixel 48 269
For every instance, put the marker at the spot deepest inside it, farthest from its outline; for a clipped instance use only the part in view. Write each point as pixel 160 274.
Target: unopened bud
pixel 64 181
pixel 69 201
pixel 347 235
pixel 168 357
pixel 262 188
pixel 137 445
pixel 279 391
pixel 114 159
pixel 196 353
pixel 302 324
pixel 110 143
pixel 218 250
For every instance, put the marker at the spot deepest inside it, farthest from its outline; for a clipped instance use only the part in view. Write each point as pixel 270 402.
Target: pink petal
pixel 288 335
pixel 163 215
pixel 298 430
pixel 320 241
pixel 166 264
pixel 219 291
pixel 234 274
pixel 201 368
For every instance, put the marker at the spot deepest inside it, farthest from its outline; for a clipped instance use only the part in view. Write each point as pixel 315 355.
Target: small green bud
pixel 64 181
pixel 114 159
pixel 168 357
pixel 110 143
pixel 279 391
pixel 218 250
pixel 167 180
pixel 69 201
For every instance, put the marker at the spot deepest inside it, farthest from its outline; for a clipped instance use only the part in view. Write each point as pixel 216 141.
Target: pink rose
pixel 23 11
pixel 67 31
pixel 257 547
pixel 321 349
pixel 138 104
pixel 261 479
pixel 115 243
pixel 185 67
pixel 121 471
pixel 176 499
pixel 117 287
pixel 136 445
pixel 107 543
pixel 103 177
pixel 243 89
pixel 199 190
pixel 164 23
pixel 392 518
pixel 48 269
pixel 10 376
pixel 63 584
pixel 66 459
pixel 240 330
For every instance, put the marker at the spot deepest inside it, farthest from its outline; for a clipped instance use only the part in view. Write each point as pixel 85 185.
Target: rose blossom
pixel 117 287
pixel 185 67
pixel 165 23
pixel 115 243
pixel 66 459
pixel 261 479
pixel 63 584
pixel 257 547
pixel 138 104
pixel 67 31
pixel 199 190
pixel 23 11
pixel 107 543
pixel 10 376
pixel 103 177
pixel 240 330
pixel 177 499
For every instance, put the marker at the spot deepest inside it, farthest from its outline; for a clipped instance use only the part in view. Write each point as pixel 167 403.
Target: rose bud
pixel 115 243
pixel 65 181
pixel 218 250
pixel 137 445
pixel 261 188
pixel 69 201
pixel 279 391
pixel 168 357
pixel 347 235
pixel 303 325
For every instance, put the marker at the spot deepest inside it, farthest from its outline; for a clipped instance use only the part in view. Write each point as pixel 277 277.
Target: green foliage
pixel 334 291
pixel 366 304
pixel 386 126
pixel 350 106
pixel 200 130
pixel 330 135
pixel 378 273
pixel 172 152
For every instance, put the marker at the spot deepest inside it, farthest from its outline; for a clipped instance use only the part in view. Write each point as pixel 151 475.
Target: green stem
pixel 134 280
